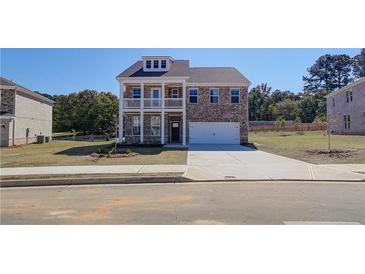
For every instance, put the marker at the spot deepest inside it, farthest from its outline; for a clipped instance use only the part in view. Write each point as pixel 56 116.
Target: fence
pixel 288 127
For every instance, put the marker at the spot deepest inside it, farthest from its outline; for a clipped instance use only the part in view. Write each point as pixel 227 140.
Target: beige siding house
pixel 165 101
pixel 24 114
pixel 346 109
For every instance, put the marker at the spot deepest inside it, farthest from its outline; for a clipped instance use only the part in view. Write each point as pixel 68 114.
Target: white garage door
pixel 214 133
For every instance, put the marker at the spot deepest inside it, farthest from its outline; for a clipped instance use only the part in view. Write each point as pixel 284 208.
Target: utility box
pixel 41 139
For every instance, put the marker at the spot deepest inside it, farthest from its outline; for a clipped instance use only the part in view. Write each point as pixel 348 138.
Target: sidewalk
pixel 114 169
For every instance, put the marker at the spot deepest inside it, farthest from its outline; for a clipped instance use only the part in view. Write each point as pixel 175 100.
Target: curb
pixel 142 180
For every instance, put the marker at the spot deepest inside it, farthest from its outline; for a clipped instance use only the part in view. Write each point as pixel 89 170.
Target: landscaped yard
pixel 63 153
pixel 312 146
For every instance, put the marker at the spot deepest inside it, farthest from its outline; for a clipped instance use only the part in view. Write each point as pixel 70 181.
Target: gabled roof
pixel 8 84
pixel 357 82
pixel 196 75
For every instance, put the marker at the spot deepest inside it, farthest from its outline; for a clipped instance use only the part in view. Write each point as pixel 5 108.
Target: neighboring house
pixel 163 100
pixel 346 109
pixel 24 114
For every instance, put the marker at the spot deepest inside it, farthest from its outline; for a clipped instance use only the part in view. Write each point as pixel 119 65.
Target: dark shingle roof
pixel 6 82
pixel 180 68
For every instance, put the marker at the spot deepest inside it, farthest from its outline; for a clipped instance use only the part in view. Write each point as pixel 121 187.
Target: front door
pixel 175 132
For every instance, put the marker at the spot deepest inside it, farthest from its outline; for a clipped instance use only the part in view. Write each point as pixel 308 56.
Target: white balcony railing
pixel 131 103
pixel 152 103
pixel 173 103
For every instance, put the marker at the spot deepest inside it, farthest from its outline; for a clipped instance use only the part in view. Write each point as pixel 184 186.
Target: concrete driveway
pixel 216 162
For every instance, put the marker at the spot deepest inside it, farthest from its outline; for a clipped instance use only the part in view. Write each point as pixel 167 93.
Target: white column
pixel 162 131
pixel 184 112
pixel 163 95
pixel 141 116
pixel 121 96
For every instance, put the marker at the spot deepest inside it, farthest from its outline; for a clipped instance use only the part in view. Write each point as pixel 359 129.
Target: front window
pixel 155 125
pixel 193 96
pixel 155 64
pixel 235 96
pixel 136 93
pixel 163 64
pixel 214 96
pixel 148 64
pixel 136 125
pixel 175 93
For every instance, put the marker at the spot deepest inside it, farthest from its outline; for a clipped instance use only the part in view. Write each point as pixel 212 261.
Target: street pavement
pixel 187 203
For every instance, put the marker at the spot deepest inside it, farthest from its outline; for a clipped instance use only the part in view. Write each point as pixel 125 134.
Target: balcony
pixel 152 103
pixel 173 102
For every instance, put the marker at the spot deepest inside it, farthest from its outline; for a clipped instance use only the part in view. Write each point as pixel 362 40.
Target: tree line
pixel 87 111
pixel 92 112
pixel 328 73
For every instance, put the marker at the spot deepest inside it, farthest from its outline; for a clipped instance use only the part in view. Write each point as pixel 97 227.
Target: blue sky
pixel 61 71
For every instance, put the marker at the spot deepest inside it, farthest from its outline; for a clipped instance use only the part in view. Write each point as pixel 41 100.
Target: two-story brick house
pixel 346 109
pixel 163 101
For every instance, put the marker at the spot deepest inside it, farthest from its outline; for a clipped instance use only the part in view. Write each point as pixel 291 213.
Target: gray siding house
pixel 24 114
pixel 165 101
pixel 346 109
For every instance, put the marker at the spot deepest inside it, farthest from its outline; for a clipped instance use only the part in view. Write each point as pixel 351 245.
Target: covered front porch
pixel 154 128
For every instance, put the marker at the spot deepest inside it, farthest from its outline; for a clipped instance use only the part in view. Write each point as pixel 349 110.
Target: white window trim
pixel 211 96
pixel 197 97
pixel 161 64
pixel 177 93
pixel 146 64
pixel 139 124
pixel 239 95
pixel 158 64
pixel 159 125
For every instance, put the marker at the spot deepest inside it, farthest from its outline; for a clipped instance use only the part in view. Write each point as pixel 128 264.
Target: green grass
pixel 64 153
pixel 295 146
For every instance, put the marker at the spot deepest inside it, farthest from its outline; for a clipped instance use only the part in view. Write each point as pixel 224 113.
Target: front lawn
pixel 312 146
pixel 64 153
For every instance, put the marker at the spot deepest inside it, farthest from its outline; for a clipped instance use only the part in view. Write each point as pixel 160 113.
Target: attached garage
pixel 214 133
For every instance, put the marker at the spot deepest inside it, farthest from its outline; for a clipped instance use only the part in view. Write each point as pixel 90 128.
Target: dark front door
pixel 175 131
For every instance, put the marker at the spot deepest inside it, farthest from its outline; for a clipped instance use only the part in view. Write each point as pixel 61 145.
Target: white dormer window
pixel 155 64
pixel 148 64
pixel 163 64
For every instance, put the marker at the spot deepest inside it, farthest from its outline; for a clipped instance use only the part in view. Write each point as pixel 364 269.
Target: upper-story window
pixel 175 93
pixel 155 64
pixel 348 96
pixel 193 95
pixel 148 64
pixel 333 101
pixel 163 63
pixel 136 93
pixel 214 95
pixel 235 96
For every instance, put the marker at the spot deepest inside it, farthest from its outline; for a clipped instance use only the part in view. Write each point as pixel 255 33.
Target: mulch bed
pixel 335 153
pixel 114 155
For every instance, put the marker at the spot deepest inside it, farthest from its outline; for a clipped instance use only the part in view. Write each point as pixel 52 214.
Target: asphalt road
pixel 191 203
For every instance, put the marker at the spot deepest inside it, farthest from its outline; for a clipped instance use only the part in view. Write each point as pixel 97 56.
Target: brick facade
pixel 224 111
pixel 7 101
